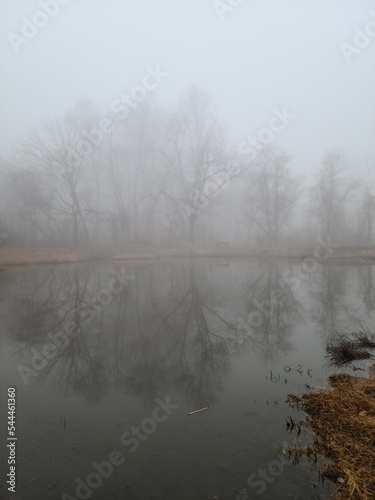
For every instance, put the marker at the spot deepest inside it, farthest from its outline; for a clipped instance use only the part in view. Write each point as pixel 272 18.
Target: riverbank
pixel 343 420
pixel 27 256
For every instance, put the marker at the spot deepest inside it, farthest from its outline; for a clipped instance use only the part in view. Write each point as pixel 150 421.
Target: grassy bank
pixel 23 256
pixel 343 419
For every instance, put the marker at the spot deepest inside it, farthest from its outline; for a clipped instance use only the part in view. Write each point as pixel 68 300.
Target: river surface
pixel 108 359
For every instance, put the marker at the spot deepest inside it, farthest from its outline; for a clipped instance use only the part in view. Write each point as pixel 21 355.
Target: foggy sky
pixel 262 55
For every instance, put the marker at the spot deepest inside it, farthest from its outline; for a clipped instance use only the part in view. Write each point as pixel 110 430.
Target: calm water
pixel 109 359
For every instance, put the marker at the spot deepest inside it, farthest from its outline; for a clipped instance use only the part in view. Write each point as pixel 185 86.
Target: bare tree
pixel 330 194
pixel 194 156
pixel 28 206
pixel 129 162
pixel 53 164
pixel 367 210
pixel 273 192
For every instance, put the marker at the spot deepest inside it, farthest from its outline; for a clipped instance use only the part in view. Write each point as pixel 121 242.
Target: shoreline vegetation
pixel 341 419
pixel 18 256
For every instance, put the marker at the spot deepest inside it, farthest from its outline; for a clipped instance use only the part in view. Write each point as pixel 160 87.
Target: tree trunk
pixel 192 220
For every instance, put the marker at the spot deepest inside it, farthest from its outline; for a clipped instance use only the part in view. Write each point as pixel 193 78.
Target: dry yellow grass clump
pixel 343 417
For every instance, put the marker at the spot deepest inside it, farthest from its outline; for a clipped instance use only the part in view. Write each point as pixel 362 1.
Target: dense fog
pixel 206 122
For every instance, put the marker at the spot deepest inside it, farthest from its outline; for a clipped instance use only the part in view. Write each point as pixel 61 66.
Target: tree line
pixel 171 176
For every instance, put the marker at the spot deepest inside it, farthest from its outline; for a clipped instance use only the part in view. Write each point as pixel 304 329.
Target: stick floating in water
pixel 197 411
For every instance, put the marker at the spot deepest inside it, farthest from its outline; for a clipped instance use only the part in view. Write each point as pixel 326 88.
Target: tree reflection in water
pixel 173 328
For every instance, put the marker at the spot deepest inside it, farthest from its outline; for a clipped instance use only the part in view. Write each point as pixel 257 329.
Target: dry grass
pixel 345 348
pixel 343 418
pixel 20 256
pixel 161 251
pixel 25 256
